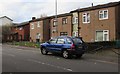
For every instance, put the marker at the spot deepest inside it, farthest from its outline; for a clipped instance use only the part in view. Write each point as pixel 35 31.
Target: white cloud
pixel 23 10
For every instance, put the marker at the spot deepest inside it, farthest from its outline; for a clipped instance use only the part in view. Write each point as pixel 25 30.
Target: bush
pixel 95 46
pixel 27 44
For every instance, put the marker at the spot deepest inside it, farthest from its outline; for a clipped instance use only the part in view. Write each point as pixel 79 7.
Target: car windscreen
pixel 77 40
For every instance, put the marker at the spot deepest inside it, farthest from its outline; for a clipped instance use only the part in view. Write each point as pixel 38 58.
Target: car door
pixel 50 46
pixel 59 44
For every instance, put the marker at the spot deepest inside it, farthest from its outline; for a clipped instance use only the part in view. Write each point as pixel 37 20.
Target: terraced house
pixel 40 29
pixel 62 26
pixel 21 31
pixel 100 23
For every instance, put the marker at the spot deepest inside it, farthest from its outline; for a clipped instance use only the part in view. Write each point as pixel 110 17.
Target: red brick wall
pixel 21 33
pixel 62 27
pixel 87 31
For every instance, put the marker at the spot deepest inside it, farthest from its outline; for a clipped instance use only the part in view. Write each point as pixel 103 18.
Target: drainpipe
pixel 78 23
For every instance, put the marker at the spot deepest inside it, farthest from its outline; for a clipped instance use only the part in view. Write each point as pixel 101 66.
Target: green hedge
pixel 27 44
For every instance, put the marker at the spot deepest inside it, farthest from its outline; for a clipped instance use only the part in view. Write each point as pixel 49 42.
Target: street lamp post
pixel 56 21
pixel 56 10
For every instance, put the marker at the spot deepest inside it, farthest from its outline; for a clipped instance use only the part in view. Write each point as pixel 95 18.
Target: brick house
pixel 63 25
pixel 40 29
pixel 21 32
pixel 100 23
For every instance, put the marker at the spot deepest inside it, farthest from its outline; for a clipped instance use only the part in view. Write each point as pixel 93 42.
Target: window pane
pixel 88 17
pixel 105 37
pixel 105 14
pixel 76 20
pixel 84 20
pixel 53 40
pixel 64 21
pixel 69 41
pixel 77 40
pixel 101 14
pixel 99 35
pixel 60 41
pixel 38 24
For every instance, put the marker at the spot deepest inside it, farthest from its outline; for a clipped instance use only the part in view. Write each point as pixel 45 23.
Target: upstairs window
pixel 38 24
pixel 64 20
pixel 54 23
pixel 20 28
pixel 32 26
pixel 86 17
pixel 103 14
pixel 75 20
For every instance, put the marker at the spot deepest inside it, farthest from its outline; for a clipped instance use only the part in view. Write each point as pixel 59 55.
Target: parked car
pixel 65 45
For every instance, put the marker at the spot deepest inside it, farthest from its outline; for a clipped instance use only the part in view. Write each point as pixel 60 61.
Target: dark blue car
pixel 67 46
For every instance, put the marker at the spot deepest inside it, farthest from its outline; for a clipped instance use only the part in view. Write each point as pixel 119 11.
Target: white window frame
pixel 55 22
pixel 104 32
pixel 38 35
pixel 64 20
pixel 32 25
pixel 102 12
pixel 38 24
pixel 75 20
pixel 86 17
pixel 20 28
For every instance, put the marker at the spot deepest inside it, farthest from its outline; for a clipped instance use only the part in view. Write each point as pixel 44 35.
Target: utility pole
pixel 56 21
pixel 56 10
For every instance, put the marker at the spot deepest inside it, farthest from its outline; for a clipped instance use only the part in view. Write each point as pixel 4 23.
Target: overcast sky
pixel 24 10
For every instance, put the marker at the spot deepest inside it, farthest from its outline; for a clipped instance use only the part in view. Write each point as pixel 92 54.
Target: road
pixel 16 59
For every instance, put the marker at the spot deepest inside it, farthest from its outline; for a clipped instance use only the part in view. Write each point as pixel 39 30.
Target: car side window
pixel 52 41
pixel 69 41
pixel 61 41
pixel 77 40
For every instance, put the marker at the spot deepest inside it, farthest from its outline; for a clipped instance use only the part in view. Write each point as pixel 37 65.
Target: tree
pixel 6 31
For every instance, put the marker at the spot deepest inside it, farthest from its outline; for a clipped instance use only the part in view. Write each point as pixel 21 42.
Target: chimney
pixel 33 18
pixel 92 4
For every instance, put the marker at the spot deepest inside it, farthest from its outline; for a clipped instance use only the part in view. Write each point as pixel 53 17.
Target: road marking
pixel 104 61
pixel 68 69
pixel 19 49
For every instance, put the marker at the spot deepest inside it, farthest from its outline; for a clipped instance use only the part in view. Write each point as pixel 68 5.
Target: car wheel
pixel 44 51
pixel 66 54
pixel 78 55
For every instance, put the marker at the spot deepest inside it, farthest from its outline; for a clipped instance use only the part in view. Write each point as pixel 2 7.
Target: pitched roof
pixel 97 7
pixel 6 17
pixel 60 15
pixel 21 24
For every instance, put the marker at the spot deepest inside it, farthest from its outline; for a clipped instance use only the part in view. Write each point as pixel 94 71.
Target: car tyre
pixel 44 51
pixel 66 54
